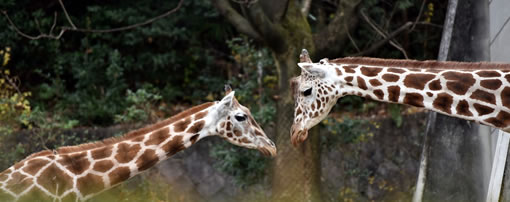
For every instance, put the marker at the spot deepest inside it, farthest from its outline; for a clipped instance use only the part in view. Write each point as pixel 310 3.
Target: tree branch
pixel 272 33
pixel 383 33
pixel 385 40
pixel 240 23
pixel 335 32
pixel 67 15
pixel 64 29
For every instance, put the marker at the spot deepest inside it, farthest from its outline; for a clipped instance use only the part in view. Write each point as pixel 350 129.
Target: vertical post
pixel 443 55
pixel 498 167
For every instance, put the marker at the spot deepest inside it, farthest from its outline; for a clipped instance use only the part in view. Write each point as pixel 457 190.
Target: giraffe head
pixel 314 93
pixel 237 125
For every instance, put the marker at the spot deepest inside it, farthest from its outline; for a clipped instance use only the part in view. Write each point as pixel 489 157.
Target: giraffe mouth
pixel 268 151
pixel 268 148
pixel 298 136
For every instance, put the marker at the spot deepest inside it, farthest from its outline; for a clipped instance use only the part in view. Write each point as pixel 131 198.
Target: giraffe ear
pixel 311 69
pixel 228 100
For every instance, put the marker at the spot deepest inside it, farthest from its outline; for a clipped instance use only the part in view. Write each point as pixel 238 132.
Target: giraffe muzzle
pixel 298 136
pixel 268 148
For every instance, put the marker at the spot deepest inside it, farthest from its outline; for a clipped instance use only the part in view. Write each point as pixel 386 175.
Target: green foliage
pixel 345 131
pixel 141 103
pixel 395 113
pixel 14 105
pixel 86 76
pixel 247 166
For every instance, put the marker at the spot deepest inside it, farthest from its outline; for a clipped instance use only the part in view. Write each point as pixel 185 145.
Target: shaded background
pixel 86 85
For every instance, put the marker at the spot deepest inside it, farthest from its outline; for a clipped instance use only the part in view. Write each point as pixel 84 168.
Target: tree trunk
pixel 296 174
pixel 454 170
pixel 296 169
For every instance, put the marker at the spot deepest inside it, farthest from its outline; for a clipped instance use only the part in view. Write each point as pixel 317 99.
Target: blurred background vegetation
pixel 52 89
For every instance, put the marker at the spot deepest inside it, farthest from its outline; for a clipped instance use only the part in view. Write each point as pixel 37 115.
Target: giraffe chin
pixel 298 137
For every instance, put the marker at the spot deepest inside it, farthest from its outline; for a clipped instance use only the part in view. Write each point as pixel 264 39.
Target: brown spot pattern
pixel 379 94
pixel 103 165
pixel 396 70
pixel 417 81
pixel 237 133
pixel 429 94
pixel 501 121
pixel 492 84
pixel 76 163
pixel 348 78
pixel 102 152
pixel 390 77
pixel 200 115
pixel 443 102
pixel 482 109
pixel 18 183
pixel 245 140
pixel 194 138
pixel 126 152
pixel 463 108
pixel 338 72
pixel 361 83
pixel 375 82
pixel 350 68
pixel 258 133
pixel 488 74
pixel 52 177
pixel 197 127
pixel 34 165
pixel 174 146
pixel 505 97
pixel 120 174
pixel 90 184
pixel 159 136
pixel 182 125
pixel 484 96
pixel 393 93
pixel 147 160
pixel 413 99
pixel 435 85
pixel 370 71
pixel 458 82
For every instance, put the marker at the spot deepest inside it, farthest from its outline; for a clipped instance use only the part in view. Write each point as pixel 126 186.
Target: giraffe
pixel 477 92
pixel 77 173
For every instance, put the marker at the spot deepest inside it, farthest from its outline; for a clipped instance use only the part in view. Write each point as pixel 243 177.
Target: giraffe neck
pixel 80 172
pixel 479 95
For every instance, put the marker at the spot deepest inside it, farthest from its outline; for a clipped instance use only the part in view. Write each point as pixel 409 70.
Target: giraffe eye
pixel 240 117
pixel 307 92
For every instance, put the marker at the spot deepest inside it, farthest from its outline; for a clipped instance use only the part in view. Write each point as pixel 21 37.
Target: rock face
pixel 383 167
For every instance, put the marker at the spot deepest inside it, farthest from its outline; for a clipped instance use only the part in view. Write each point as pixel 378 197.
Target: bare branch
pixel 67 15
pixel 149 21
pixel 54 23
pixel 64 29
pixel 351 39
pixel 383 34
pixel 335 32
pixel 385 40
pixel 419 15
pixel 270 31
pixel 240 23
